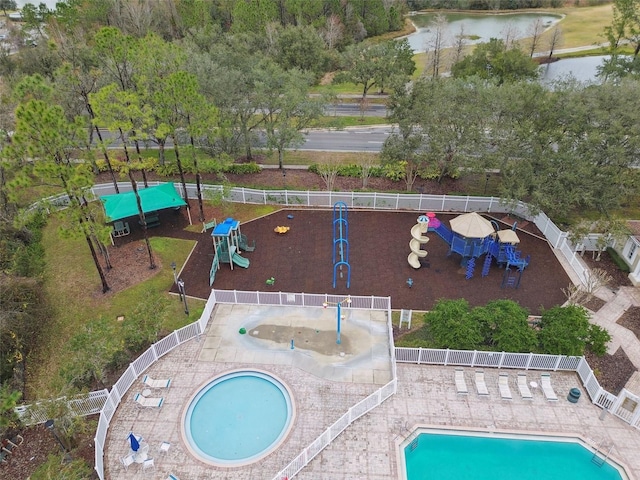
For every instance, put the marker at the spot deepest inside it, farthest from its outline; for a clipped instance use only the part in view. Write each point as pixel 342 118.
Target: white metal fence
pixel 80 405
pixel 137 367
pixel 528 361
pixel 168 343
pixel 385 201
pixel 369 200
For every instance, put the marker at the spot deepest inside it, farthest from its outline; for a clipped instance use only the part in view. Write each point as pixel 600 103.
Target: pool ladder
pixel 601 459
pixel 414 443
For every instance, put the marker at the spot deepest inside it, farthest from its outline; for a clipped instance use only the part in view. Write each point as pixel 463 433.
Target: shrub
pixel 394 171
pixel 622 265
pixel 242 168
pixel 55 467
pixel 169 169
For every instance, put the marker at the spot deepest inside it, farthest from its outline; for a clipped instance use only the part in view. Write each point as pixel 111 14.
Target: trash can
pixel 574 395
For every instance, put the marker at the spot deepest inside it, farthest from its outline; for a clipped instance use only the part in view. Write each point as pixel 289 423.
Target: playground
pixel 300 260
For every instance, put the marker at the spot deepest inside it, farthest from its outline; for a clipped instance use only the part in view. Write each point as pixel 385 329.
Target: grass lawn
pixel 584 26
pixel 73 287
pixel 344 121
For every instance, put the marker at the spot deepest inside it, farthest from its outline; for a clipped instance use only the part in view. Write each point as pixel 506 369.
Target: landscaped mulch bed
pixel 594 303
pixel 631 320
pixel 612 371
pixel 606 263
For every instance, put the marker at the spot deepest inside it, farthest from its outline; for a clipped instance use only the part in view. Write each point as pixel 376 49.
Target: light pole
pixel 175 275
pixel 183 295
pixel 49 425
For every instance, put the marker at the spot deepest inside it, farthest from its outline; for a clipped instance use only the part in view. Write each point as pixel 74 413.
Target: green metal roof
pixel 123 205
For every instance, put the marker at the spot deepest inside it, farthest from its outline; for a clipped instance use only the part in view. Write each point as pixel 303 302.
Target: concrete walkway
pixel 607 317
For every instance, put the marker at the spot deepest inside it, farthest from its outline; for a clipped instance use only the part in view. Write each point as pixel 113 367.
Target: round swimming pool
pixel 238 418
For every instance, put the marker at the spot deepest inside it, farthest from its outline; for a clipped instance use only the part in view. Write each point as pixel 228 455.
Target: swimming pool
pixel 238 418
pixel 455 454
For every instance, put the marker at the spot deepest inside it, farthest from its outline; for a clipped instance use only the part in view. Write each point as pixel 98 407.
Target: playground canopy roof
pixel 123 205
pixel 471 225
pixel 508 236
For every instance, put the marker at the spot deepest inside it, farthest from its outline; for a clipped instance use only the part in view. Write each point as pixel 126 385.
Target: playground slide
pixel 240 260
pixel 415 244
pixel 414 260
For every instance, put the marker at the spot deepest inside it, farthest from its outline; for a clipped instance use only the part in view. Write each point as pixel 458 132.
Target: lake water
pixel 482 26
pixel 49 3
pixel 583 69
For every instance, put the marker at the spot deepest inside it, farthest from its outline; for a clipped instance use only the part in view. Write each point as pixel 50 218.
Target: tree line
pixel 504 326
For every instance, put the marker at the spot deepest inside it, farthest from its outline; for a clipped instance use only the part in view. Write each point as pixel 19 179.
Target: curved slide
pixel 240 260
pixel 415 244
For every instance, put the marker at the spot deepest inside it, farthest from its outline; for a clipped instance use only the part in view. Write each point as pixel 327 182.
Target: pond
pixel 477 28
pixel 583 69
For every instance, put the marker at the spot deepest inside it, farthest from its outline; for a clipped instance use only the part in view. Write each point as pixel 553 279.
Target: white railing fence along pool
pixel 107 402
pixel 529 361
pixel 193 330
pixel 367 200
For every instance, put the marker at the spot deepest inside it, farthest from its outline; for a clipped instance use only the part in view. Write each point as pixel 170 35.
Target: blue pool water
pixel 238 418
pixel 450 456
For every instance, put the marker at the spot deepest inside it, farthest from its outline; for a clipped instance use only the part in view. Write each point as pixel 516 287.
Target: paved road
pixel 351 139
pixel 354 139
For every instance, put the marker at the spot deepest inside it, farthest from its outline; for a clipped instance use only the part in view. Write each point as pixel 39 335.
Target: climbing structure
pixel 340 243
pixel 418 239
pixel 227 242
pixel 499 246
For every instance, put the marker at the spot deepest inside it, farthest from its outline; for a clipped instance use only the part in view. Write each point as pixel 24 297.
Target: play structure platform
pixel 483 237
pixel 227 243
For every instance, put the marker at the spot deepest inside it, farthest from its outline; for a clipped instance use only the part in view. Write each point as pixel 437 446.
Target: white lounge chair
pixel 164 383
pixel 461 385
pixel 164 447
pixel 148 464
pixel 503 385
pixel 148 401
pixel 481 386
pixel 128 460
pixel 547 389
pixel 523 386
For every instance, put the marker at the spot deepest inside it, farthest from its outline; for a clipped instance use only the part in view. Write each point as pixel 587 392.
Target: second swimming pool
pixel 456 455
pixel 238 418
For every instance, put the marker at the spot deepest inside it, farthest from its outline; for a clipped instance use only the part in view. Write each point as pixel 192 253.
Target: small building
pixel 629 251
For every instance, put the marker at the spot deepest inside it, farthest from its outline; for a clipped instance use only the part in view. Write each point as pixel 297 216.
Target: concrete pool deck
pixel 326 382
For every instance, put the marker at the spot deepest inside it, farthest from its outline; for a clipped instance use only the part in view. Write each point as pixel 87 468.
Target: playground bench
pixel 153 220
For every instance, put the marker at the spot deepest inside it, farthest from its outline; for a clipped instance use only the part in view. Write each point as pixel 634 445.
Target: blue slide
pixel 513 258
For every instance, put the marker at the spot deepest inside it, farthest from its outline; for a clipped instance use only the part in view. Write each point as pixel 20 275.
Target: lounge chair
pixel 547 389
pixel 523 386
pixel 164 447
pixel 481 386
pixel 461 385
pixel 128 460
pixel 164 383
pixel 148 464
pixel 172 477
pixel 148 401
pixel 503 385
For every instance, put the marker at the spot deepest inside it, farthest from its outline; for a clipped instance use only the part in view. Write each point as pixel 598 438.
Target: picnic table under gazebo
pixel 153 199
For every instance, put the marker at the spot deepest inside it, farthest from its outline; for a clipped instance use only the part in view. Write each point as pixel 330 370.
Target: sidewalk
pixel 607 317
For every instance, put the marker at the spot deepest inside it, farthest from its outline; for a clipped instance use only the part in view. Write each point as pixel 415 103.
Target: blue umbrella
pixel 135 445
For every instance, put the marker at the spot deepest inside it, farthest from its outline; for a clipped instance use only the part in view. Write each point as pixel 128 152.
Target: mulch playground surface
pixel 301 261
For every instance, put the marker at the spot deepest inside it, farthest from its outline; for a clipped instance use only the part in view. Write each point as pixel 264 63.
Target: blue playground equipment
pixel 472 248
pixel 227 242
pixel 340 242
